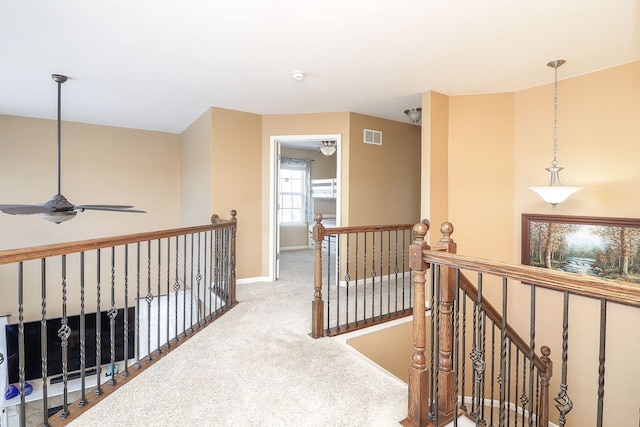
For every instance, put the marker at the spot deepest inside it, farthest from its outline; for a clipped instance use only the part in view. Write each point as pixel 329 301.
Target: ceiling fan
pixel 59 209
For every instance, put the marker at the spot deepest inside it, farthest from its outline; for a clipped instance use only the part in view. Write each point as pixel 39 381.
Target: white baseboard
pixel 295 248
pixel 252 280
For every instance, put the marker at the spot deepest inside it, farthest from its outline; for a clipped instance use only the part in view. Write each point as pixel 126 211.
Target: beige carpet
pixel 257 366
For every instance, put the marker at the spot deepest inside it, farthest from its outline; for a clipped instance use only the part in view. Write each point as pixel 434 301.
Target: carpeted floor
pixel 257 366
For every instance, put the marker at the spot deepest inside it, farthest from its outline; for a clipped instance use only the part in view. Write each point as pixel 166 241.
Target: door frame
pixel 274 149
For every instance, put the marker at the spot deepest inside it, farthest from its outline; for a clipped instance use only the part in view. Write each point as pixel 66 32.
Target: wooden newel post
pixel 317 305
pixel 418 402
pixel 446 300
pixel 545 378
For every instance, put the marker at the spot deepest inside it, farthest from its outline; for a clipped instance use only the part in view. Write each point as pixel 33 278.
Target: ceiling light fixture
pixel 328 148
pixel 415 114
pixel 297 75
pixel 555 192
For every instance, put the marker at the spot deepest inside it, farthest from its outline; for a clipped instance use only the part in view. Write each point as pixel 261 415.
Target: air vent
pixel 372 137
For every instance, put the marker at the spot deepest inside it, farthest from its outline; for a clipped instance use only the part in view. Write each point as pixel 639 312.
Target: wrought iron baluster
pixel 337 280
pixel 493 369
pixel 199 279
pixel 523 397
pixel 159 303
pixel 83 338
pixel 21 352
pixel 176 287
pixel 125 372
pixel 347 277
pixel 373 275
pixel 43 342
pixel 98 390
pixel 532 352
pixel 563 401
pixel 517 387
pixel 381 275
pixel 601 360
pixel 474 356
pixel 184 289
pixel 396 269
pixel 503 354
pixel 137 328
pixel 209 282
pixel 477 354
pixel 328 291
pixel 64 333
pixel 191 281
pixel 113 313
pixel 219 269
pixel 484 365
pixel 356 278
pixel 168 341
pixel 364 280
pixel 463 405
pixel 149 300
pixel 508 380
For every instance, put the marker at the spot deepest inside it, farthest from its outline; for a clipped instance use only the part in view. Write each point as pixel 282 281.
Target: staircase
pixel 479 358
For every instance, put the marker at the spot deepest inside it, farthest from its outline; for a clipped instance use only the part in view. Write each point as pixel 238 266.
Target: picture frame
pixel 598 246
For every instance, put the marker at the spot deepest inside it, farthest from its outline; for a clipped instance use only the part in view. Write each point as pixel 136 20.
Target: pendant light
pixel 414 114
pixel 555 192
pixel 328 148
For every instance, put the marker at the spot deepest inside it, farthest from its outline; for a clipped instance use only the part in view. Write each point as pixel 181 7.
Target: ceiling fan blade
pixel 112 208
pixel 103 206
pixel 24 209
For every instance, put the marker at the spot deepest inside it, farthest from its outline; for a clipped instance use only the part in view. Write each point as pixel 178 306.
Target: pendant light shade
pixel 328 148
pixel 414 114
pixel 555 192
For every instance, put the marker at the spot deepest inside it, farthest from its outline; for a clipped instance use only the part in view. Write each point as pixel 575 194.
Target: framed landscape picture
pixel 597 246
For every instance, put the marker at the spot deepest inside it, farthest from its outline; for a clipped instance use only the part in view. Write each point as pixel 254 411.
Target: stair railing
pixel 362 277
pixel 481 367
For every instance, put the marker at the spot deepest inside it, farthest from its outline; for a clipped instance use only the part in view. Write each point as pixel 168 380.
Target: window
pixel 292 196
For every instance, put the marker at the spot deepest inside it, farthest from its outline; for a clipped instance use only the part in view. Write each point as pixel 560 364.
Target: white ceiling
pixel 159 64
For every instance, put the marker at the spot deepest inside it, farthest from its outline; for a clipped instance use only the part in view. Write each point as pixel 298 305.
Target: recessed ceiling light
pixel 297 75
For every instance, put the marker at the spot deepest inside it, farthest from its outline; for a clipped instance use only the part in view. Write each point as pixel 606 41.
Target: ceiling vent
pixel 372 137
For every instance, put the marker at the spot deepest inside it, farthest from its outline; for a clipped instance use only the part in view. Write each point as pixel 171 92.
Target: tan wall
pixel 299 124
pixel 390 348
pixel 235 181
pixel 195 172
pixel 100 165
pixel 435 154
pixel 384 180
pixel 499 145
pixel 598 130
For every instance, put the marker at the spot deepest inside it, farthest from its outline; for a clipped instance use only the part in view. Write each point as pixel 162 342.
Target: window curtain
pixel 301 164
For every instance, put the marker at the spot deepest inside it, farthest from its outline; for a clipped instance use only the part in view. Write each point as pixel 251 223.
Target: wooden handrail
pixel 37 252
pixel 588 286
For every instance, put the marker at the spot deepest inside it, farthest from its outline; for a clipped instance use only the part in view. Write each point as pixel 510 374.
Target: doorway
pixel 299 146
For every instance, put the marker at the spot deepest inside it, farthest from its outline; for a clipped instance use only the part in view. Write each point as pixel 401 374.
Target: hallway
pixel 256 365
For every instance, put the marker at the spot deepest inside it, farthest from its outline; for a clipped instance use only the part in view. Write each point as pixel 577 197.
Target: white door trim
pixel 274 142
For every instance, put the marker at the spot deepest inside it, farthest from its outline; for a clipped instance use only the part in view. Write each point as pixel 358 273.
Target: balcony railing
pixel 83 317
pixel 362 277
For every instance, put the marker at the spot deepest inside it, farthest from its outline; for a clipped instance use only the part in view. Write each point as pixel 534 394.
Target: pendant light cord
pixel 555 115
pixel 59 120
